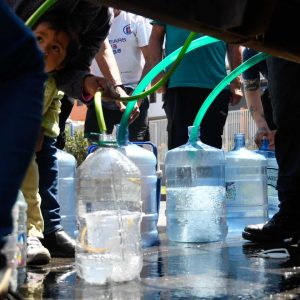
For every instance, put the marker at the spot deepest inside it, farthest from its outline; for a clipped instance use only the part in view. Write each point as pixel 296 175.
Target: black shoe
pixel 59 244
pixel 277 229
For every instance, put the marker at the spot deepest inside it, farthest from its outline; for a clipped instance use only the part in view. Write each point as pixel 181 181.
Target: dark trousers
pixel 285 94
pixel 48 185
pixel 67 104
pixel 21 99
pixel 138 130
pixel 182 105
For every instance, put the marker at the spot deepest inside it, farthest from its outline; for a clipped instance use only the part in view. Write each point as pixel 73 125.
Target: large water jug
pixel 146 161
pixel 109 216
pixel 272 174
pixel 246 186
pixel 66 191
pixel 195 187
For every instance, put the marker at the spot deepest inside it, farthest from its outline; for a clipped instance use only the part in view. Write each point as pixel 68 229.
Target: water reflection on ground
pixel 222 270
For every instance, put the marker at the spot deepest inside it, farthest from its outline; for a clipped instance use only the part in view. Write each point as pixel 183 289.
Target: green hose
pixel 216 91
pixel 174 56
pixel 99 112
pixel 39 12
pixel 167 75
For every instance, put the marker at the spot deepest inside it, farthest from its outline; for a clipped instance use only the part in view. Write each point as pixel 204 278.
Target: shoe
pixel 37 254
pixel 5 275
pixel 59 244
pixel 277 229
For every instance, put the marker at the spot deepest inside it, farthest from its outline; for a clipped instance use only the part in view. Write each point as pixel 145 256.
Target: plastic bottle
pixel 15 248
pixel 272 174
pixel 146 161
pixel 66 191
pixel 246 186
pixel 109 216
pixel 195 186
pixel 21 231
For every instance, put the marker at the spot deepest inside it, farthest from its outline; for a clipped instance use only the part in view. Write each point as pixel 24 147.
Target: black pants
pixel 138 130
pixel 284 88
pixel 67 104
pixel 181 107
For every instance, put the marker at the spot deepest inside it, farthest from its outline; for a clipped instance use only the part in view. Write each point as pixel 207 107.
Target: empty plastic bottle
pixel 66 191
pixel 195 188
pixel 109 215
pixel 272 174
pixel 246 186
pixel 146 161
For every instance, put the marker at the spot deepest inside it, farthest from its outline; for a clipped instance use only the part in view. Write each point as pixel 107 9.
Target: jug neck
pixel 239 141
pixel 107 141
pixel 194 134
pixel 265 144
pixel 122 137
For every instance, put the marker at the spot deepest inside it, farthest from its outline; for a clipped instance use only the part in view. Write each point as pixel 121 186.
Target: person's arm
pixel 234 55
pixel 156 49
pixel 254 104
pixel 109 68
pixel 75 80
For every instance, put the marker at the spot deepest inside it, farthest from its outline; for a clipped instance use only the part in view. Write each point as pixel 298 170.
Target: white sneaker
pixel 37 254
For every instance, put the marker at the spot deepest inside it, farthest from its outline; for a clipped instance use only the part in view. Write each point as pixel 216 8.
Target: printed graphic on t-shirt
pixel 127 29
pixel 115 43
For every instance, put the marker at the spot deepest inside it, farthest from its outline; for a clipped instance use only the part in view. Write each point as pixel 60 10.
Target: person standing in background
pixel 128 38
pixel 258 101
pixel 193 80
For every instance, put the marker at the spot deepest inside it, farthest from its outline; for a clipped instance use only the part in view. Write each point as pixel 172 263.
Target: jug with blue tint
pixel 195 188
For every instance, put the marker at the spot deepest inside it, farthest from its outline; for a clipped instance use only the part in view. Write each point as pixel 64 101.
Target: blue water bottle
pixel 195 196
pixel 272 174
pixel 246 186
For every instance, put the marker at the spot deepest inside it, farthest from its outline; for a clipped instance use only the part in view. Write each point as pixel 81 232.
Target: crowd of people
pixel 80 47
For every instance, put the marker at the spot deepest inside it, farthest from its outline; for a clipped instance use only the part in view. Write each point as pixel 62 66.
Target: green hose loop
pixel 163 80
pixel 99 112
pixel 216 91
pixel 39 12
pixel 153 73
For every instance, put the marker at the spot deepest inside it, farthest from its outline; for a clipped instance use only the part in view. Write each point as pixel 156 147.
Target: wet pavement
pixel 223 270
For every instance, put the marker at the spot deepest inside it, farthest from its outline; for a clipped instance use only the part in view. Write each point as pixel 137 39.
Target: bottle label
pixel 230 191
pixel 272 174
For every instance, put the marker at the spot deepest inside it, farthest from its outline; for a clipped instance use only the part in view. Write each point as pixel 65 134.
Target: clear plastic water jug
pixel 109 216
pixel 272 174
pixel 195 187
pixel 15 248
pixel 246 186
pixel 66 191
pixel 146 161
pixel 21 231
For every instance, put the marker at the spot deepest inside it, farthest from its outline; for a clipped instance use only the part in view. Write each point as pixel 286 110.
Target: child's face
pixel 53 44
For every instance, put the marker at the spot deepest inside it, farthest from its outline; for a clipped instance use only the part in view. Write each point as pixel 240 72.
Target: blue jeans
pixel 48 185
pixel 21 98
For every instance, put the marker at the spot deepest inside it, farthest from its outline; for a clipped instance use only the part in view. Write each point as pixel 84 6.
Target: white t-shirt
pixel 128 33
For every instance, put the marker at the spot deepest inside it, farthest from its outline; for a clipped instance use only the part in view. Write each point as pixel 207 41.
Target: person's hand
pixel 93 84
pixel 265 132
pixel 236 92
pixel 136 110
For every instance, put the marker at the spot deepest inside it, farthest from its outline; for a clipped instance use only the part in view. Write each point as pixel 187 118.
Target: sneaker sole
pixel 4 283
